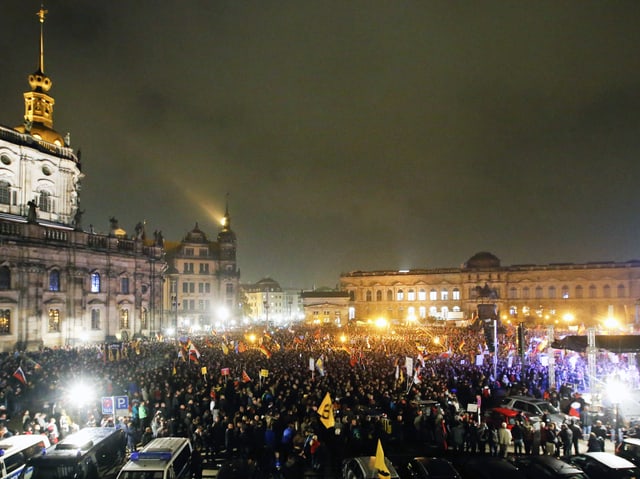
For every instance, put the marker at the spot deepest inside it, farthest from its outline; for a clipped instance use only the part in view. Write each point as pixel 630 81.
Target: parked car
pixel 604 465
pixel 430 468
pixel 547 467
pixel 486 467
pixel 535 407
pixel 630 450
pixel 363 468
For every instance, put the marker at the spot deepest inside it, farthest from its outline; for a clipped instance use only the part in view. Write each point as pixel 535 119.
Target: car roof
pixel 610 460
pixel 556 465
pixel 367 464
pixel 632 440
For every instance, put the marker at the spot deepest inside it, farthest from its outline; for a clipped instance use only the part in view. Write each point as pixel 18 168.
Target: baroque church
pixel 61 285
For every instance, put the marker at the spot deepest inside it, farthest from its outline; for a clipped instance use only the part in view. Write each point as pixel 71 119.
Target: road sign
pixel 122 403
pixel 107 405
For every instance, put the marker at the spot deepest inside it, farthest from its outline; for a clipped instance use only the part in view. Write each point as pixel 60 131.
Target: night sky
pixel 350 135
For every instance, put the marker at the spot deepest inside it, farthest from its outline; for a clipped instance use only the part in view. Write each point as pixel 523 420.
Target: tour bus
pixel 16 450
pixel 87 454
pixel 162 458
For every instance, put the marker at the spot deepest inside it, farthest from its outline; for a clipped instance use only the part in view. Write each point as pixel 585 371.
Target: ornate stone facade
pixel 569 294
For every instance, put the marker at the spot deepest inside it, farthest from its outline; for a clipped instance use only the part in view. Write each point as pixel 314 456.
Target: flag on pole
pixel 379 463
pixel 265 351
pixel 326 412
pixel 245 377
pixel 264 373
pixel 194 354
pixel 20 376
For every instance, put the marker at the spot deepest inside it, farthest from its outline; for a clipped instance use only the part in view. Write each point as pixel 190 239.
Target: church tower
pixel 39 171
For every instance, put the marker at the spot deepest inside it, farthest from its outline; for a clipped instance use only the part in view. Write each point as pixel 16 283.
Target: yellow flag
pixel 326 412
pixel 264 373
pixel 203 370
pixel 379 464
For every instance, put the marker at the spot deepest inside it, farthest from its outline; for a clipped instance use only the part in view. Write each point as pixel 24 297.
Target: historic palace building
pixel 569 294
pixel 60 284
pixel 202 281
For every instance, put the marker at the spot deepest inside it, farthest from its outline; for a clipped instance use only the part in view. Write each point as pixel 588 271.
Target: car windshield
pixel 548 408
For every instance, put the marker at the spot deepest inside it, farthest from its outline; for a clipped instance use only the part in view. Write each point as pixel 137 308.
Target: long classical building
pixel 61 284
pixel 567 293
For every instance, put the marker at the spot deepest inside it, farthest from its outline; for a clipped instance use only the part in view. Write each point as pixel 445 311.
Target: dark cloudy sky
pixel 350 135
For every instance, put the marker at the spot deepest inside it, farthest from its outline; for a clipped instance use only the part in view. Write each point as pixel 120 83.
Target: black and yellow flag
pixel 326 412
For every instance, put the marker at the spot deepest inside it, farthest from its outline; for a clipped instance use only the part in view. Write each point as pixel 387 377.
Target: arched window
pixel 513 292
pixel 422 312
pixel 5 193
pixel 621 291
pixel 552 292
pixel 368 295
pixel 565 292
pixel 593 291
pixel 411 295
pixel 54 280
pixel 579 292
pixel 95 282
pixel 433 295
pixel 400 295
pixel 513 311
pixel 422 295
pixel 352 295
pixel 456 294
pixel 45 202
pixel 538 292
pixel 525 292
pixel 5 321
pixel 5 278
pixel 606 291
pixel 444 295
pixel 379 295
pixel 389 295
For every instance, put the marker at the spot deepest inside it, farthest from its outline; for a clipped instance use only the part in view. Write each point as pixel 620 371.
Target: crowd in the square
pixel 255 398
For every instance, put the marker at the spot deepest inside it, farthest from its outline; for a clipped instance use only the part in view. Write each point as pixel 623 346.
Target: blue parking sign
pixel 122 402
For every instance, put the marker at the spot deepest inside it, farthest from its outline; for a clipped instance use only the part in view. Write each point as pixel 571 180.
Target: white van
pixel 162 458
pixel 15 450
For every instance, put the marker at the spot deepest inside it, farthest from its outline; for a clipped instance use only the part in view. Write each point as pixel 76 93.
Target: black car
pixel 547 467
pixel 604 465
pixel 630 450
pixel 486 467
pixel 430 468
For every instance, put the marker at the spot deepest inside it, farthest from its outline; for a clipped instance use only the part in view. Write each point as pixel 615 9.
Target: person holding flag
pixel 326 412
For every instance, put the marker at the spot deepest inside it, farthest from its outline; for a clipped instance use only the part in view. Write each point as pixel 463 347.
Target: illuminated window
pixel 5 193
pixel 352 312
pixel 433 295
pixel 411 295
pixel 54 280
pixel 565 292
pixel 54 320
pixel 400 295
pixel 95 319
pixel 621 291
pixel 526 310
pixel 579 292
pixel 422 295
pixel 5 278
pixel 144 318
pixel 95 282
pixel 606 291
pixel 378 295
pixel 456 294
pixel 368 296
pixel 124 318
pixel 422 311
pixel 411 312
pixel 45 202
pixel 513 311
pixel 456 309
pixel 433 311
pixel 444 295
pixel 5 321
pixel 592 291
pixel 445 312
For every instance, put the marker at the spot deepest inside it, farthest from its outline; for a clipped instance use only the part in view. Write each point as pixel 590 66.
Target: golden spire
pixel 41 14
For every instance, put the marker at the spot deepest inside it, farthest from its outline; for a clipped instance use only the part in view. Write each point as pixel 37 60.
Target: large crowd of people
pixel 254 397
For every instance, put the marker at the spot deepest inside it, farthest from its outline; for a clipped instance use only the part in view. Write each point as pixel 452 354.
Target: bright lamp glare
pixel 81 394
